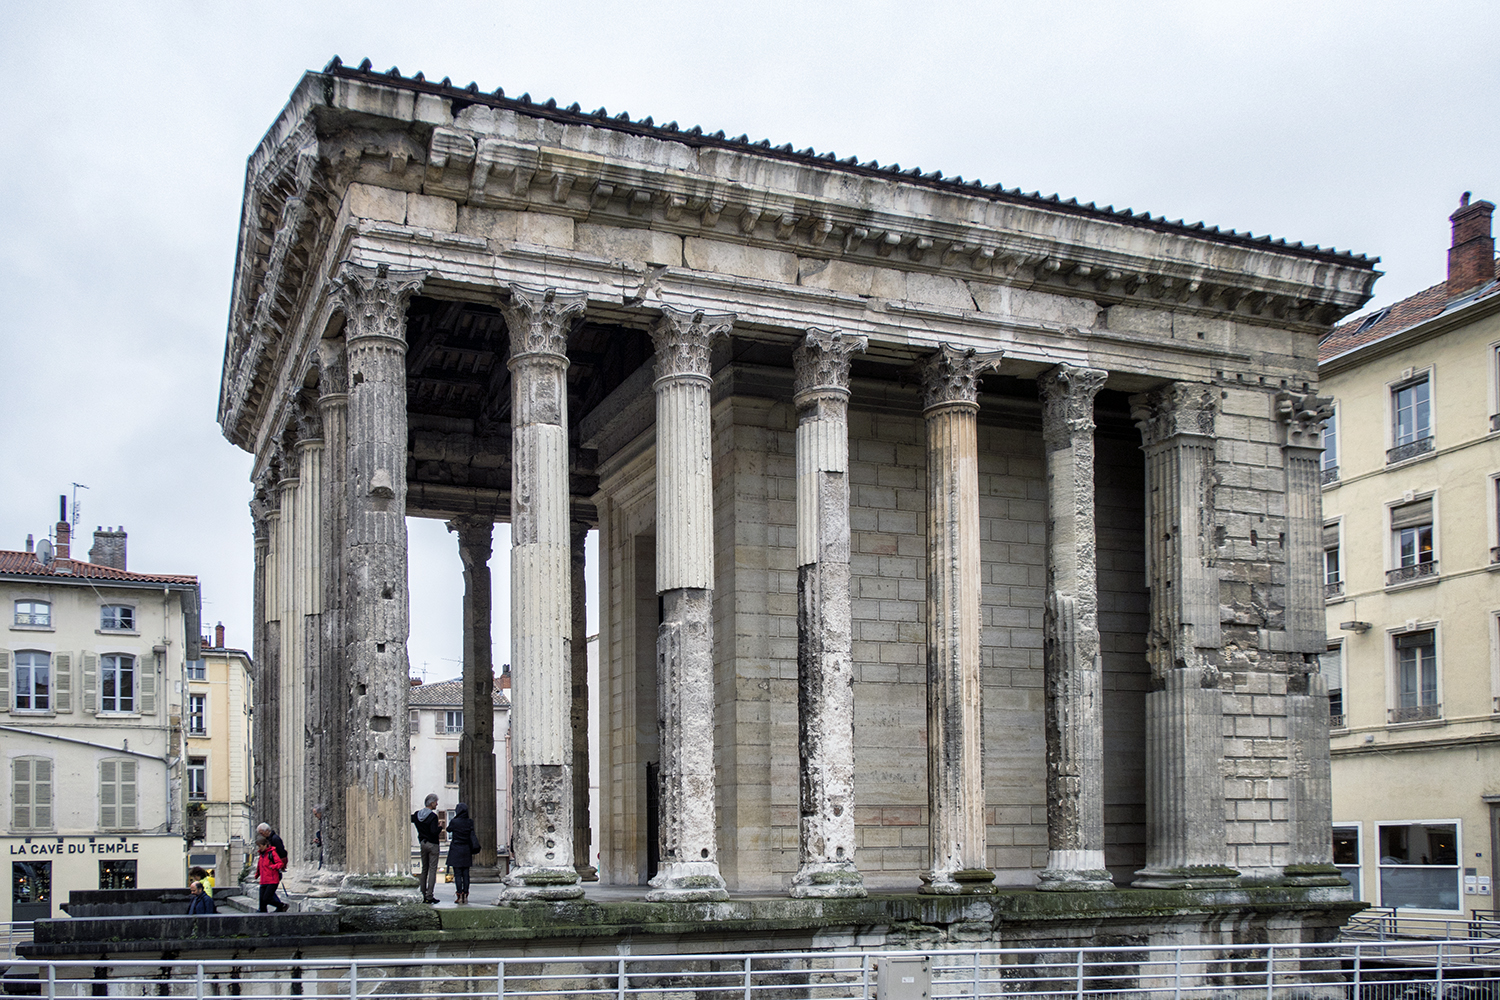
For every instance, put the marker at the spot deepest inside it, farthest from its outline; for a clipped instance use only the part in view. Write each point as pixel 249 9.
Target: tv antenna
pixel 76 488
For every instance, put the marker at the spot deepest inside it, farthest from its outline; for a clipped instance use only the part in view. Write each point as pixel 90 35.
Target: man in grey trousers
pixel 429 832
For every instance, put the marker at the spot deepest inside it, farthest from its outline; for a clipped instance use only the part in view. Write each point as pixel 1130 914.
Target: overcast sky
pixel 127 126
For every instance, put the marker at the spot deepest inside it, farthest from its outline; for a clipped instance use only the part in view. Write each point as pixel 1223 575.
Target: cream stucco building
pixel 1411 474
pixel 91 663
pixel 217 723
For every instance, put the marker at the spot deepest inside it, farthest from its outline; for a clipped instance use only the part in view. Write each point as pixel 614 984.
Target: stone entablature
pixel 856 445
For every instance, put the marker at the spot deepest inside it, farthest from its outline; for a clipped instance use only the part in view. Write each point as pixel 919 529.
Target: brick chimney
pixel 1471 259
pixel 219 636
pixel 109 548
pixel 64 541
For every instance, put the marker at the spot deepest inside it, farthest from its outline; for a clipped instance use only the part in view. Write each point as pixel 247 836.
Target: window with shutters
pixel 116 683
pixel 117 794
pixel 450 776
pixel 1413 555
pixel 197 778
pixel 197 715
pixel 117 618
pixel 37 614
pixel 31 794
pixel 32 681
pixel 1416 695
pixel 453 721
pixel 1331 666
pixel 1411 418
pixel 1333 561
pixel 1331 448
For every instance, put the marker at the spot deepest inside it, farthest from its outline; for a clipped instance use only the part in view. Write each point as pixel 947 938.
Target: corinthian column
pixel 378 772
pixel 955 740
pixel 1074 681
pixel 540 595
pixel 331 719
pixel 825 673
pixel 476 746
pixel 1184 709
pixel 689 866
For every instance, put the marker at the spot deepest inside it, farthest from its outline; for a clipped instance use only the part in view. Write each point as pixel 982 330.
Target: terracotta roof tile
pixel 27 564
pixel 445 693
pixel 1382 323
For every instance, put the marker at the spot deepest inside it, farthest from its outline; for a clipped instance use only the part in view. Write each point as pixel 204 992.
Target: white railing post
pixel 353 979
pixel 747 977
pixel 499 979
pixel 52 981
pixel 1438 994
pixel 975 994
pixel 1177 975
pixel 199 978
pixel 620 981
pixel 1270 970
pixel 864 971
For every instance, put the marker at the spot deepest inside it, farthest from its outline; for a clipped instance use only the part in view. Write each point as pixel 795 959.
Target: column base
pixel 486 874
pixel 829 880
pixel 1074 880
pixel 1187 877
pixel 524 884
pixel 964 882
pixel 688 882
pixel 1313 875
pixel 378 890
pixel 587 873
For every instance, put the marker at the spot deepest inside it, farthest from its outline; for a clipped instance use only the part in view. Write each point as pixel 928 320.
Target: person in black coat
pixel 199 902
pixel 462 843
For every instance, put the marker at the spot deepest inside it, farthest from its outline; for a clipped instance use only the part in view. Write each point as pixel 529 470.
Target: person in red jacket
pixel 268 868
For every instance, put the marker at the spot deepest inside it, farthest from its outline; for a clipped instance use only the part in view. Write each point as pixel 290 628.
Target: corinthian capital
pixel 375 299
pixel 1068 401
pixel 1302 418
pixel 683 339
pixel 540 319
pixel 951 375
pixel 1176 408
pixel 821 362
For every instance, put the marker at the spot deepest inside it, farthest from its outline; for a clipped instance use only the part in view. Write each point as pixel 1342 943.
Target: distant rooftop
pixel 1390 320
pixel 27 564
pixel 445 694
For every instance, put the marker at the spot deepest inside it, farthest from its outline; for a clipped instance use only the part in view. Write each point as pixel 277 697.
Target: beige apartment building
pixel 92 657
pixel 1411 504
pixel 217 720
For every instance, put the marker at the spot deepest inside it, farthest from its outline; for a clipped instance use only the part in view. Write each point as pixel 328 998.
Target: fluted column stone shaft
pixel 955 739
pixel 331 721
pixel 689 867
pixel 476 745
pixel 303 633
pixel 825 671
pixel 376 605
pixel 1185 841
pixel 1073 666
pixel 578 715
pixel 263 514
pixel 541 595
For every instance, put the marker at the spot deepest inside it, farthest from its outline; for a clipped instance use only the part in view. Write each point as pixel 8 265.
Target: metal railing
pixel 1406 574
pixel 1411 449
pixel 15 932
pixel 1415 713
pixel 1425 970
pixel 1386 924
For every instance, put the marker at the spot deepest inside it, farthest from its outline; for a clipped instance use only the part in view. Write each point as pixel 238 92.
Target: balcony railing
pixel 1406 574
pixel 1412 449
pixel 1332 590
pixel 34 618
pixel 1336 722
pixel 1330 475
pixel 1416 713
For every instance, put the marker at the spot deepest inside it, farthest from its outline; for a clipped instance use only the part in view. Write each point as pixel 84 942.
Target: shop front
pixel 43 870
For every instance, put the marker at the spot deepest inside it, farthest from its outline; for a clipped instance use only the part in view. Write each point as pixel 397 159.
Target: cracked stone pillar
pixel 825 673
pixel 264 516
pixel 476 746
pixel 297 825
pixel 290 754
pixel 1070 636
pixel 689 867
pixel 955 740
pixel 579 712
pixel 378 773
pixel 1309 769
pixel 540 595
pixel 332 707
pixel 1185 843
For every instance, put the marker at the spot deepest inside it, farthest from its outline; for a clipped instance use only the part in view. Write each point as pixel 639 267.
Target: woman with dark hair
pixel 462 843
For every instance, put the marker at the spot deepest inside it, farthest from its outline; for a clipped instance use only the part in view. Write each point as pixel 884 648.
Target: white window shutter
pixel 107 795
pixel 5 680
pixel 62 682
pixel 41 793
pixel 127 794
pixel 146 670
pixel 20 796
pixel 90 683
